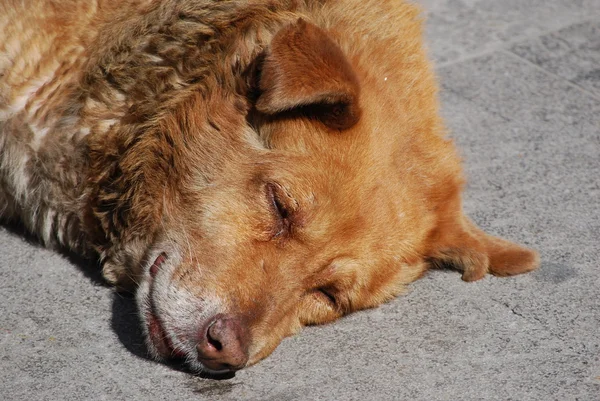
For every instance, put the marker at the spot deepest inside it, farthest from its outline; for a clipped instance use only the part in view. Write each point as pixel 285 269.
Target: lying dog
pixel 248 167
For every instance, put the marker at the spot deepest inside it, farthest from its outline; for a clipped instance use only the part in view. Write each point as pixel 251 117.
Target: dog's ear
pixel 304 69
pixel 464 246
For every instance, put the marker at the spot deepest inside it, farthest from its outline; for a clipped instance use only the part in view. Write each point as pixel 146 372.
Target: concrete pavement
pixel 521 95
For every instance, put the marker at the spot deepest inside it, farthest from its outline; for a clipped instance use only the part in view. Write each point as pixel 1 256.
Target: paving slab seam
pixel 510 53
pixel 507 44
pixel 515 56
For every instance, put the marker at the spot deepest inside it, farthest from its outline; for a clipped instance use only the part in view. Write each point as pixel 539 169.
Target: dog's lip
pixel 158 262
pixel 157 335
pixel 160 339
pixel 156 332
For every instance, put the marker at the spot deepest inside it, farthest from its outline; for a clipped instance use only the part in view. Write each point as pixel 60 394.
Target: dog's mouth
pixel 215 344
pixel 157 335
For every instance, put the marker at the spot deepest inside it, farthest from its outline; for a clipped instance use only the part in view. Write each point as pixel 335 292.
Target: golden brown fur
pixel 249 167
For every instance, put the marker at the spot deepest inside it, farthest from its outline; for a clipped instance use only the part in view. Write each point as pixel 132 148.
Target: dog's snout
pixel 224 344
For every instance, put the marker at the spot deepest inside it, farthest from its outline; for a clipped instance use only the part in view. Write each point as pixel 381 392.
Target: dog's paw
pixel 468 249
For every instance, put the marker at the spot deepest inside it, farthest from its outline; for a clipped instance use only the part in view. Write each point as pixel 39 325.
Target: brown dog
pixel 249 166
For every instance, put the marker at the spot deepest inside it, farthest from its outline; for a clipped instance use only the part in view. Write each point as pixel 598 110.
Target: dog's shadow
pixel 125 321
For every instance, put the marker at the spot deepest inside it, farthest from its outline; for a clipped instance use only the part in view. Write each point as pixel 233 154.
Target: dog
pixel 244 167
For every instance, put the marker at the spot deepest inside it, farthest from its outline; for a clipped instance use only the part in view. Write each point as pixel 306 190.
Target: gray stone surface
pixel 466 28
pixel 572 53
pixel 520 95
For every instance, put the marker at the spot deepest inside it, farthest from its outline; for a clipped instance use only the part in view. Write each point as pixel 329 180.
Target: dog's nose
pixel 224 344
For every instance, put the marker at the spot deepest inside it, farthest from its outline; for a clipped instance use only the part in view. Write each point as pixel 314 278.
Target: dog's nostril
pixel 224 344
pixel 212 340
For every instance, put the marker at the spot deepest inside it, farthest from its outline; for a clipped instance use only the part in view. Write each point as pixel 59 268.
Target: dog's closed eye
pixel 281 209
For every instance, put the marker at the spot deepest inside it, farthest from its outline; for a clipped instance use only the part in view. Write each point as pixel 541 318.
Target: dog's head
pixel 328 192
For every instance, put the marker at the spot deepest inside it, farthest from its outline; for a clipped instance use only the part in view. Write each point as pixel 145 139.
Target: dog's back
pixel 42 48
